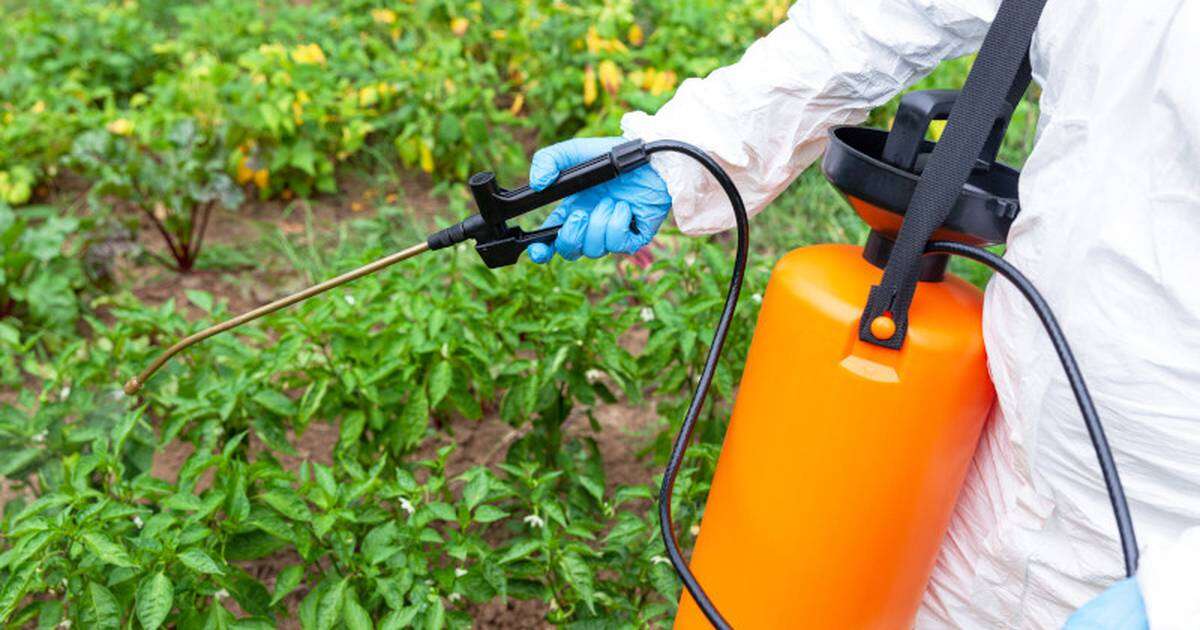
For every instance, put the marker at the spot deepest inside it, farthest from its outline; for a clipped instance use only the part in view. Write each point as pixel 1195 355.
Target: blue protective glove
pixel 1118 608
pixel 617 216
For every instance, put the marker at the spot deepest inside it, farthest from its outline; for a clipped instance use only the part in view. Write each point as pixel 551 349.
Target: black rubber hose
pixel 706 375
pixel 1108 467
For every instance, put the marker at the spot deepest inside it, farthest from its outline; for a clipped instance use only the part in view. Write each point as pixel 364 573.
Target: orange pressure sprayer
pixel 843 459
pixel 866 389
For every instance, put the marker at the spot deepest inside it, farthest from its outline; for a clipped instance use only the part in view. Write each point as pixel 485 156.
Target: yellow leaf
pixel 499 34
pixel 244 172
pixel 383 16
pixel 38 107
pixel 368 96
pixel 663 83
pixel 610 76
pixel 636 37
pixel 120 127
pixel 261 178
pixel 648 77
pixel 517 104
pixel 426 158
pixel 310 54
pixel 589 86
pixel 459 26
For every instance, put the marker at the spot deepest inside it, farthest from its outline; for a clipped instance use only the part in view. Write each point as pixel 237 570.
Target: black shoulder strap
pixel 998 78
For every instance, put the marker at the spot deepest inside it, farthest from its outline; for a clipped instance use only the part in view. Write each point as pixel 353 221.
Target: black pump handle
pixel 917 110
pixel 500 244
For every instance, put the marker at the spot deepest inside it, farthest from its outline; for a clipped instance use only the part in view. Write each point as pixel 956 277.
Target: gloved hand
pixel 621 215
pixel 1118 608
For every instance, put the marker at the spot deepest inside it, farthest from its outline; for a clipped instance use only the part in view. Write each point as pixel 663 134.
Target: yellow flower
pixel 499 34
pixel 261 178
pixel 426 158
pixel 297 112
pixel 664 82
pixel 517 104
pixel 383 16
pixel 308 54
pixel 120 127
pixel 459 26
pixel 589 86
pixel 610 76
pixel 636 37
pixel 38 107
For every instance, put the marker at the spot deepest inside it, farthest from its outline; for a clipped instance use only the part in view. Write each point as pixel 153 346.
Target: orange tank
pixel 843 460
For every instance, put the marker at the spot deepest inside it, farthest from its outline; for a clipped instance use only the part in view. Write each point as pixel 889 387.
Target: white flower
pixel 533 520
pixel 137 521
pixel 64 624
pixel 757 297
pixel 659 560
pixel 64 392
pixel 695 530
pixel 459 572
pixel 407 506
pixel 453 597
pixel 221 594
pixel 38 438
pixel 594 375
pixel 647 314
pixel 350 300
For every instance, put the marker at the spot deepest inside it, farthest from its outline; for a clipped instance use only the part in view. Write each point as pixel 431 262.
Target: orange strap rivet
pixel 883 327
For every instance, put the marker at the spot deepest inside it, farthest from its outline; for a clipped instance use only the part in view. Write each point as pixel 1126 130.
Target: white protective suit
pixel 1109 231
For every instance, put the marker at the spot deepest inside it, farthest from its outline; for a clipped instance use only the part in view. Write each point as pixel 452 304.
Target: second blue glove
pixel 620 216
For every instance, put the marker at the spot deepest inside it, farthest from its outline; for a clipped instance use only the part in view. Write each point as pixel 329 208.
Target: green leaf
pixel 202 299
pixel 200 562
pixel 103 608
pixel 107 550
pixel 476 490
pixel 288 503
pixel 413 421
pixel 578 574
pixel 441 377
pixel 442 511
pixel 275 402
pixel 287 581
pixel 488 514
pixel 663 577
pixel 520 550
pixel 154 599
pixel 330 608
pixel 354 616
pixel 399 619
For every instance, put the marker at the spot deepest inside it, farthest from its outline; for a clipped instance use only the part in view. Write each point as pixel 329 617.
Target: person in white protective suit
pixel 1109 232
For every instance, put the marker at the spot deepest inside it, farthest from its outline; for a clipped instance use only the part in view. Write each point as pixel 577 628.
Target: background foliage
pixel 127 125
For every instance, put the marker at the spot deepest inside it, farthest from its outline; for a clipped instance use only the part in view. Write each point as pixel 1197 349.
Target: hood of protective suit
pixel 1109 232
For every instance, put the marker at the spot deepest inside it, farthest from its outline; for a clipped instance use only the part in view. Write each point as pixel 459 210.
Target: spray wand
pixel 498 243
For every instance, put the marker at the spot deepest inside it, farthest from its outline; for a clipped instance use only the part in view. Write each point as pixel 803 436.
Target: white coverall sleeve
pixel 1169 577
pixel 765 117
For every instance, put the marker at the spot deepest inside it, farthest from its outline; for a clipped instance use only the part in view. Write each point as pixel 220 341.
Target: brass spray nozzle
pixel 133 385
